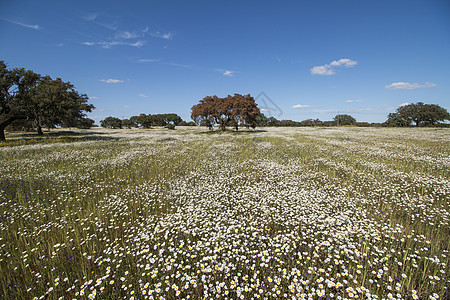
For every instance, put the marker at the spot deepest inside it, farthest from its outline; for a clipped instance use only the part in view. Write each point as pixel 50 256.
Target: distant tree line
pixel 338 120
pixel 31 101
pixel 169 120
pixel 241 110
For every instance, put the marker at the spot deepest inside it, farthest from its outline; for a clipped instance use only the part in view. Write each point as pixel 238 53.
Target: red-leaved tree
pixel 237 110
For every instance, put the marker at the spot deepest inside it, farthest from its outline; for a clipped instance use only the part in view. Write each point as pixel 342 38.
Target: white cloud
pixel 35 27
pixel 90 17
pixel 166 36
pixel 127 35
pixel 94 97
pixel 322 70
pixel 404 104
pixel 300 106
pixel 111 80
pixel 228 73
pixel 346 62
pixel 144 60
pixel 136 44
pixel 328 69
pixel 112 25
pixel 108 45
pixel 353 101
pixel 143 95
pixel 408 86
pixel 177 65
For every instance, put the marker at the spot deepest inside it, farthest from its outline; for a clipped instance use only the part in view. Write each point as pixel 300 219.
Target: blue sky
pixel 313 59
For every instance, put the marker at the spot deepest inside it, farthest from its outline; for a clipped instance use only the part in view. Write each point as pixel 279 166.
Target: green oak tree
pixel 418 113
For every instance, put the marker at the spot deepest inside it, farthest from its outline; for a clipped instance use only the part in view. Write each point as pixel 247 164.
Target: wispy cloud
pixel 90 17
pixel 176 65
pixel 110 80
pixel 109 44
pixel 300 106
pixel 102 19
pixel 127 35
pixel 404 104
pixel 151 60
pixel 408 86
pixel 228 73
pixel 143 95
pixel 145 60
pixel 111 25
pixel 353 101
pixel 127 106
pixel 225 72
pixel 93 98
pixel 136 44
pixel 329 69
pixel 35 27
pixel 166 36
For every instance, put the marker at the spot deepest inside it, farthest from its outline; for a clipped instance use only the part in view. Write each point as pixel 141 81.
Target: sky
pixel 302 59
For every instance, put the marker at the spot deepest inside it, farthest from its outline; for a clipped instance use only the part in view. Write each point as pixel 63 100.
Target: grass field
pixel 280 213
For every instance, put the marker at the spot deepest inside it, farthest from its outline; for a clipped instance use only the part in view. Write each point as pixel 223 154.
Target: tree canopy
pixel 229 111
pixel 419 113
pixel 344 120
pixel 111 122
pixel 28 97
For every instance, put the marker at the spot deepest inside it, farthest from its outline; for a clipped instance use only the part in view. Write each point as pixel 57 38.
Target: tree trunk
pixel 4 124
pixel 2 134
pixel 39 131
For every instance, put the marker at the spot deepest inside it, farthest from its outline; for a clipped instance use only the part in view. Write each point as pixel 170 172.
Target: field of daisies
pixel 291 213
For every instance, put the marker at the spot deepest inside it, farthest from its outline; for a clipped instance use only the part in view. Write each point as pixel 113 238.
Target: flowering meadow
pixel 291 213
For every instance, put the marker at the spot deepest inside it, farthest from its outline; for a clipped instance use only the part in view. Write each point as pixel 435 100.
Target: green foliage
pixel 85 123
pixel 111 122
pixel 184 123
pixel 170 126
pixel 150 120
pixel 127 123
pixel 45 102
pixel 344 119
pixel 420 114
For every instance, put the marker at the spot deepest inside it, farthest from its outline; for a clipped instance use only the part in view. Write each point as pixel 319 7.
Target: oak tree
pixel 344 120
pixel 111 122
pixel 419 113
pixel 229 111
